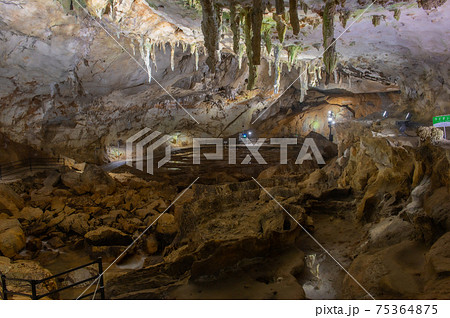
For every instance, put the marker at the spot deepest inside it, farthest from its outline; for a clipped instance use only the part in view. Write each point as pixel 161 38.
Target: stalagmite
pixel 293 16
pixel 335 74
pixel 210 32
pixel 329 45
pixel 133 48
pixel 235 27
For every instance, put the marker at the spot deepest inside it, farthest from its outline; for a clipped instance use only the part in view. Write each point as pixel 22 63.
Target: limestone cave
pixel 225 149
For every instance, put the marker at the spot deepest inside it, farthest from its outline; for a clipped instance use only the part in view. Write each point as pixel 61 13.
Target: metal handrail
pixel 34 283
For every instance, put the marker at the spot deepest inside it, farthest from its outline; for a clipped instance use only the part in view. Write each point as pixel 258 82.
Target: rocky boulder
pixel 438 258
pixel 30 214
pixel 167 224
pixel 93 179
pixel 107 236
pixel 390 231
pixel 327 148
pixel 29 270
pixel 12 237
pixel 10 202
pixel 77 223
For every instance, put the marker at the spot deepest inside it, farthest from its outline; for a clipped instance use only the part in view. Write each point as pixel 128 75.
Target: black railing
pixel 33 284
pixel 30 164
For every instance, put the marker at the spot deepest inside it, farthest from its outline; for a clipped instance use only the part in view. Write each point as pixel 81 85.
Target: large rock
pixel 108 236
pixel 12 237
pixel 93 180
pixel 30 214
pixel 10 202
pixel 28 270
pixel 327 148
pixel 390 231
pixel 167 224
pixel 389 273
pixel 77 223
pixel 438 258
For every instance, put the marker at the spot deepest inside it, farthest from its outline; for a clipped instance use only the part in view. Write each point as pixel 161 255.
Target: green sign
pixel 441 119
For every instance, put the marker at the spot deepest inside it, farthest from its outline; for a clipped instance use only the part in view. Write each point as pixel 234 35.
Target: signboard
pixel 441 121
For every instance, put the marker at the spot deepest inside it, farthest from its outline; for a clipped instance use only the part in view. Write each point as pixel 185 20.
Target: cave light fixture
pixel 137 62
pixel 329 46
pixel 331 123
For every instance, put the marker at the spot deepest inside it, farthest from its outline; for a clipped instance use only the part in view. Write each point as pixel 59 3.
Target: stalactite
pixel 267 36
pixel 281 27
pixel 257 17
pixel 235 27
pixel 241 55
pixel 277 53
pixel 329 45
pixel 343 17
pixel 269 69
pixel 252 73
pixel 304 6
pixel 210 32
pixel 193 47
pixel 172 56
pixel 141 47
pixel 292 54
pixel 293 16
pixel 219 15
pixel 279 6
pixel 376 20
pixel 397 13
pixel 303 78
pixel 153 56
pixel 147 60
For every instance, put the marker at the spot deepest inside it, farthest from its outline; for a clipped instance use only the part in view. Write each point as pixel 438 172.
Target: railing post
pixel 5 291
pixel 33 290
pixel 102 283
